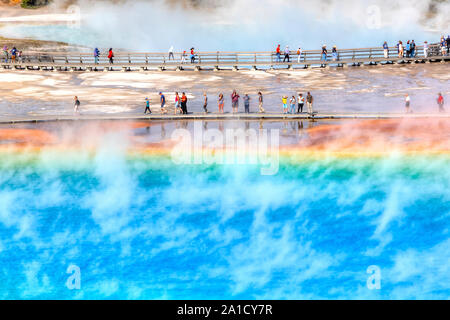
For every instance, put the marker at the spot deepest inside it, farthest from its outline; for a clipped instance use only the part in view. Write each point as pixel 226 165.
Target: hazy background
pixel 211 25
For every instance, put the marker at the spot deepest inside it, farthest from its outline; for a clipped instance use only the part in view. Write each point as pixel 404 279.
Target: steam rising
pixel 142 227
pixel 251 24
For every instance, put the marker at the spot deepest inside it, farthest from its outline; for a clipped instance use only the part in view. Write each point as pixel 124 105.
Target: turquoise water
pixel 142 228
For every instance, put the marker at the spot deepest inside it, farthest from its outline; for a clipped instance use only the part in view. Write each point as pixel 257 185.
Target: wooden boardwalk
pixel 220 117
pixel 127 61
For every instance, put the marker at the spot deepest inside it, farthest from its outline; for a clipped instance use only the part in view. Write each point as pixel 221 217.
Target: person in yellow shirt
pixel 285 106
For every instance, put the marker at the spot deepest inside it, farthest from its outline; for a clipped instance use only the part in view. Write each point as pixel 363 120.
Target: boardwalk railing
pixel 132 60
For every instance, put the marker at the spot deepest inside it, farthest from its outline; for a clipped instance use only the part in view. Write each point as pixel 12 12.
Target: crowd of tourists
pixel 180 103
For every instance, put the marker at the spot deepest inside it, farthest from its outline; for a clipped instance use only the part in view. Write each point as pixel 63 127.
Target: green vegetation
pixel 32 4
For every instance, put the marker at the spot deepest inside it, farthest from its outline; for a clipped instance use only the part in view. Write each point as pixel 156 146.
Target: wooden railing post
pixel 217 58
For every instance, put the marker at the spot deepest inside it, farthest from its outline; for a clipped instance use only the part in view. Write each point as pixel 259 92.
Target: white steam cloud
pixel 250 24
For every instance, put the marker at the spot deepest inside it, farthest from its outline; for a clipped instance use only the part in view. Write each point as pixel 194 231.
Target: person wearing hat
pixel 147 106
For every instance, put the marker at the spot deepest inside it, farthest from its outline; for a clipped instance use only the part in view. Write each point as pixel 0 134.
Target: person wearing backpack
pixel 299 54
pixel 13 54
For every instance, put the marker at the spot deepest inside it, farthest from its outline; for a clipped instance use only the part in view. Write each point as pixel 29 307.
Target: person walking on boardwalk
pixel 425 49
pixel 147 106
pixel 6 53
pixel 205 102
pixel 400 49
pixel 309 103
pixel 443 45
pixel 324 53
pixel 192 55
pixel 334 53
pixel 448 44
pixel 299 54
pixel 407 103
pixel 286 54
pixel 386 50
pixel 292 105
pixel 96 55
pixel 301 103
pixel 247 103
pixel 235 101
pixel 177 103
pixel 278 53
pixel 162 99
pixel 261 102
pixel 440 102
pixel 221 103
pixel 184 100
pixel 171 56
pixel 183 57
pixel 413 49
pixel 284 100
pixel 111 56
pixel 76 105
pixel 13 55
pixel 408 49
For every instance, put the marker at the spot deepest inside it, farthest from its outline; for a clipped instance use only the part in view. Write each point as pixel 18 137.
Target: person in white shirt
pixel 408 103
pixel 171 53
pixel 286 54
pixel 301 103
pixel 299 54
pixel 425 49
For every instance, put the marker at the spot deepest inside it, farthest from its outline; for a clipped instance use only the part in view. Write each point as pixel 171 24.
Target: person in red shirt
pixel 184 103
pixel 111 56
pixel 440 102
pixel 278 51
pixel 192 55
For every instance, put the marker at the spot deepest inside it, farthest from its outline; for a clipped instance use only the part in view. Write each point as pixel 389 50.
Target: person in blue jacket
pixel 96 55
